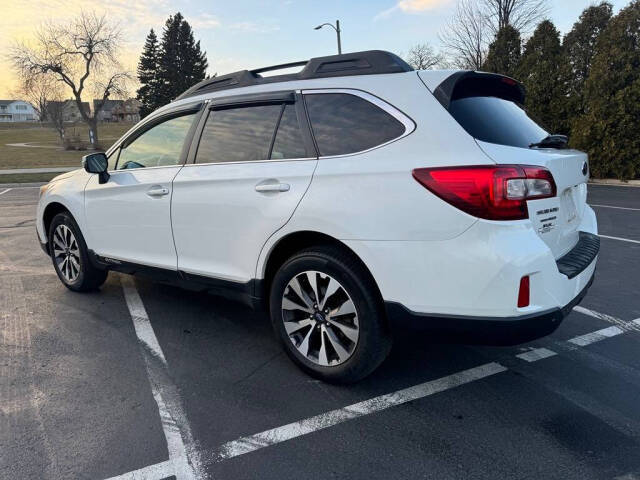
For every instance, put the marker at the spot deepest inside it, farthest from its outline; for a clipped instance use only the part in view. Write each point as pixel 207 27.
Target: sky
pixel 249 34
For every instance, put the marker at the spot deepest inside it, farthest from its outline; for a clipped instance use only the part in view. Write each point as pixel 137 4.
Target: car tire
pixel 345 341
pixel 70 256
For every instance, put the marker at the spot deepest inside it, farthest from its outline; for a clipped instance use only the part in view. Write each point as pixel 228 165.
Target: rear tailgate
pixel 556 220
pixel 490 108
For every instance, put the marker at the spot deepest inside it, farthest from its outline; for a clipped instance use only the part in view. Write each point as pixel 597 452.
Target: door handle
pixel 273 187
pixel 157 191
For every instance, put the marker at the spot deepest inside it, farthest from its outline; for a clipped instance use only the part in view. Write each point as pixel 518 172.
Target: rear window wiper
pixel 552 141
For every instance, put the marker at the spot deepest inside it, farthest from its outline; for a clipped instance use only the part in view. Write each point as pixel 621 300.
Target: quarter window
pixel 159 146
pixel 344 123
pixel 288 142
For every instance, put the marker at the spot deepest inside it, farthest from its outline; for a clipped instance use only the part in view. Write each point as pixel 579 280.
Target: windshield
pixel 495 120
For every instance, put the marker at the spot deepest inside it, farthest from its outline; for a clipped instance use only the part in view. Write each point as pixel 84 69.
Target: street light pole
pixel 336 27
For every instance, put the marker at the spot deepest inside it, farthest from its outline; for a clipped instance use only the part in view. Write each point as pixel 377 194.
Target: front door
pixel 129 217
pixel 253 165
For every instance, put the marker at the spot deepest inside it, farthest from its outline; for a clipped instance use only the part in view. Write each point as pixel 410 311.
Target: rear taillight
pixel 494 192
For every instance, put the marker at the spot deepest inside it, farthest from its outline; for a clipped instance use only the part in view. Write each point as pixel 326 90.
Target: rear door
pixel 129 217
pixel 253 163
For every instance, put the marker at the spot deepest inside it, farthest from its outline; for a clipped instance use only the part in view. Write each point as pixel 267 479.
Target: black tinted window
pixel 288 142
pixel 238 134
pixel 160 146
pixel 344 123
pixel 495 120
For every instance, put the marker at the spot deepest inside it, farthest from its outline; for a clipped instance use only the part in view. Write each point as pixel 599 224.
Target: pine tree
pixel 168 65
pixel 504 52
pixel 148 75
pixel 608 130
pixel 182 64
pixel 193 60
pixel 579 48
pixel 541 72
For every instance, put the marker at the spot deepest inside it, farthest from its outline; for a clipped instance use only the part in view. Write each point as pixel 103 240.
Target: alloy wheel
pixel 66 253
pixel 320 318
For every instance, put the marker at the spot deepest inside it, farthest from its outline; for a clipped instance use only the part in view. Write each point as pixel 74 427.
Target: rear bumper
pixel 478 273
pixel 483 330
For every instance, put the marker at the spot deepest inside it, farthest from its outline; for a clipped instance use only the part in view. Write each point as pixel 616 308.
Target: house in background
pixel 106 112
pixel 17 111
pixel 70 111
pixel 118 110
pixel 127 111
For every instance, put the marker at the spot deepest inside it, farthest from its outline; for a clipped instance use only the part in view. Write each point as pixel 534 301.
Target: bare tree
pixel 466 36
pixel 54 113
pixel 422 56
pixel 81 54
pixel 522 15
pixel 45 94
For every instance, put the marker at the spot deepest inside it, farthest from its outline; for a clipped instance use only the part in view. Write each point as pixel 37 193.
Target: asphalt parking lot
pixel 143 380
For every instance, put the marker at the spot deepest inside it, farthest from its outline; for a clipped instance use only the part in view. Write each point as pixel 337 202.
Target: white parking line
pixel 617 208
pixel 608 318
pixel 184 459
pixel 596 336
pixel 157 471
pixel 183 466
pixel 619 238
pixel 536 354
pixel 334 417
pixel 141 323
pixel 5 191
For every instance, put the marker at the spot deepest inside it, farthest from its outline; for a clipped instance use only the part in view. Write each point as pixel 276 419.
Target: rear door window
pixel 496 120
pixel 343 123
pixel 238 134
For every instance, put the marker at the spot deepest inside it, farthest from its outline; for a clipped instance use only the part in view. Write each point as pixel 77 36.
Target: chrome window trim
pixel 409 124
pixel 142 169
pixel 251 161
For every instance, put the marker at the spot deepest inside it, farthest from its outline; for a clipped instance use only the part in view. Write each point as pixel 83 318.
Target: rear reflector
pixel 493 192
pixel 523 293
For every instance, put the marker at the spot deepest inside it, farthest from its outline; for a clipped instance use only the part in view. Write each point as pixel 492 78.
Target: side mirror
pixel 97 163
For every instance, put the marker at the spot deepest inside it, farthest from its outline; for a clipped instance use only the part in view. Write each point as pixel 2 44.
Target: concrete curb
pixel 614 183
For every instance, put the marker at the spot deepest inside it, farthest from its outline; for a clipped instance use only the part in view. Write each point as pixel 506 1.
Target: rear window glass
pixel 495 120
pixel 344 123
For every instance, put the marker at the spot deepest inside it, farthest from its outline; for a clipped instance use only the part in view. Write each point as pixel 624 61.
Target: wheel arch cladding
pixel 294 242
pixel 50 211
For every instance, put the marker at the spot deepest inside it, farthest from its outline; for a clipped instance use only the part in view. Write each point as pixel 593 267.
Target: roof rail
pixel 358 63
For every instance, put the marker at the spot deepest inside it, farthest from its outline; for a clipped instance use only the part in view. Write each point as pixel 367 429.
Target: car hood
pixel 66 175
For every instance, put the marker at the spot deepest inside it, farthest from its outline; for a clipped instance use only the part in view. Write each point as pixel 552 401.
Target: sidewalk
pixel 14 171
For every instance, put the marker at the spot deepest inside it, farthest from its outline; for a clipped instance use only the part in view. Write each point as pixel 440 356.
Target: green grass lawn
pixel 53 156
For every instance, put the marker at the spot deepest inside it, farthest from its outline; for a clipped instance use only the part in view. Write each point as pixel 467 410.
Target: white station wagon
pixel 348 198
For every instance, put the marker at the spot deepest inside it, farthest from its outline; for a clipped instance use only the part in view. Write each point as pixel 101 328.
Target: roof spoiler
pixel 369 62
pixel 470 83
